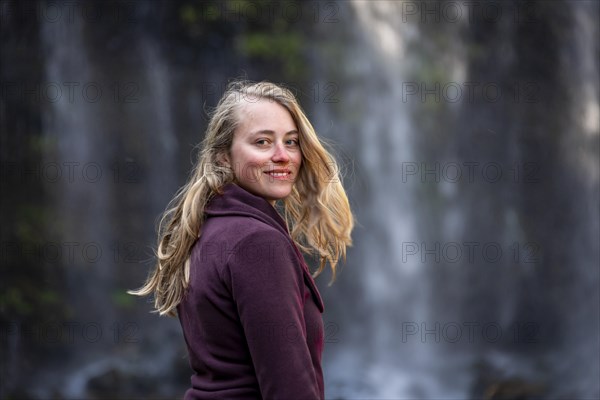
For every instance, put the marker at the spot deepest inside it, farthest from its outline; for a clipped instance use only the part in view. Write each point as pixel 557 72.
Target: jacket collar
pixel 236 200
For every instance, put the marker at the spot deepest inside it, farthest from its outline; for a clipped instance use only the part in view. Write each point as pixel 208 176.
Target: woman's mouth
pixel 279 174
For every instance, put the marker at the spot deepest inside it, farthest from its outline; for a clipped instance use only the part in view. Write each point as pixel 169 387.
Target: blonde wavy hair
pixel 317 211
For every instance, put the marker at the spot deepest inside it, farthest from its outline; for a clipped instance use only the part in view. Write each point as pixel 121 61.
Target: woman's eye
pixel 293 142
pixel 261 141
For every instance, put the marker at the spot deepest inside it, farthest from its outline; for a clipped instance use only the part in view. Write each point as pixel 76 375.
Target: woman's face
pixel 265 153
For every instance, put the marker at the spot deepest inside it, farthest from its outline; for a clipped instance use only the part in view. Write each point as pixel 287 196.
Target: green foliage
pixel 30 221
pixel 32 286
pixel 256 30
pixel 42 144
pixel 121 299
pixel 13 301
pixel 284 49
pixel 28 300
pixel 197 14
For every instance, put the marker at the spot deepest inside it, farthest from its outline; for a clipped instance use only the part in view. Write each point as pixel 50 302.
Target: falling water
pixel 393 290
pixel 82 219
pixel 372 355
pixel 125 136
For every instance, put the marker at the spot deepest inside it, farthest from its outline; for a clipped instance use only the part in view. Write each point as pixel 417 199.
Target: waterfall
pixel 76 125
pixel 578 359
pixel 441 329
pixel 369 358
pixel 73 124
pixel 81 226
pixel 118 137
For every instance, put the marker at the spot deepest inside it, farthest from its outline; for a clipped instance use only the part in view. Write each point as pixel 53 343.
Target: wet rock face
pixel 514 389
pixel 125 382
pixel 120 384
pixel 497 384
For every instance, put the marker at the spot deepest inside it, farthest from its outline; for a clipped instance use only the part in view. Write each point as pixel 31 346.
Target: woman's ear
pixel 223 159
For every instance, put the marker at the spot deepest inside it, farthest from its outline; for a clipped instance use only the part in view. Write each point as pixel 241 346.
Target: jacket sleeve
pixel 266 282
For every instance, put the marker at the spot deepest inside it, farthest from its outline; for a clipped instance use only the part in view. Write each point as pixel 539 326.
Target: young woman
pixel 229 264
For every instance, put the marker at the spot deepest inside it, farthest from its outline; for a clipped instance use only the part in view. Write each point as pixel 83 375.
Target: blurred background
pixel 468 137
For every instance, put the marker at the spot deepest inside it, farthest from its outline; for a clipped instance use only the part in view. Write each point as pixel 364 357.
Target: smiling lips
pixel 279 173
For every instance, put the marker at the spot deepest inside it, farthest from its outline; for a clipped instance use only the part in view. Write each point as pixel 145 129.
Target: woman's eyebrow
pixel 262 132
pixel 270 132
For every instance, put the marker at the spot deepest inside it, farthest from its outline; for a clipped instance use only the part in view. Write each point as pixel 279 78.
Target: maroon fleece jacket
pixel 251 316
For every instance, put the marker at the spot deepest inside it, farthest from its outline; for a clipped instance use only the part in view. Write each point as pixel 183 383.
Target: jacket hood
pixel 237 201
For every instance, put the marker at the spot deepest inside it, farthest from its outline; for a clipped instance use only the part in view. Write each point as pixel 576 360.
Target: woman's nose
pixel 280 154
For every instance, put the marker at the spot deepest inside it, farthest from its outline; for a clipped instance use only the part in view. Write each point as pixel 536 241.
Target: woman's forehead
pixel 264 111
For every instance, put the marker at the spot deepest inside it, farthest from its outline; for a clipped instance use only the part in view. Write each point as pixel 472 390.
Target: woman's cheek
pixel 254 171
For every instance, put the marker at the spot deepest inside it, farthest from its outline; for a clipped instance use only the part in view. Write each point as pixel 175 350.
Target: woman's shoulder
pixel 238 245
pixel 236 228
pixel 238 242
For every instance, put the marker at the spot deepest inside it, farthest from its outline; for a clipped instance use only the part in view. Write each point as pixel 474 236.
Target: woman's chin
pixel 278 194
